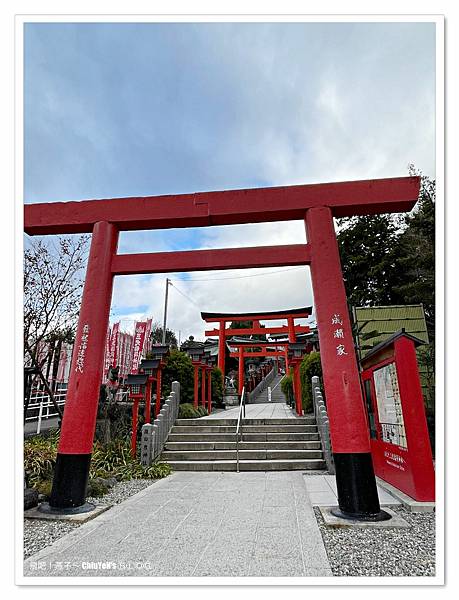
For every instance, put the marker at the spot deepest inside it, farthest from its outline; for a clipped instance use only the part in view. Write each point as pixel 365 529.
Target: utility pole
pixel 168 282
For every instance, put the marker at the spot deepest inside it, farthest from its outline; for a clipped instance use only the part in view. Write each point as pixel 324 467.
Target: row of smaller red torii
pixel 140 385
pixel 289 349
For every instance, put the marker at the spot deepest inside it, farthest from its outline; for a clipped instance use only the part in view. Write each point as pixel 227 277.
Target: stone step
pixel 308 420
pixel 213 455
pixel 243 445
pixel 247 436
pixel 246 428
pixel 249 465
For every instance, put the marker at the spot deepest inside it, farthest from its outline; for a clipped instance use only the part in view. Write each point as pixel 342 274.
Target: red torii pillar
pixel 349 434
pixel 209 391
pixel 77 431
pixel 222 349
pixel 203 386
pixel 241 370
pixel 196 386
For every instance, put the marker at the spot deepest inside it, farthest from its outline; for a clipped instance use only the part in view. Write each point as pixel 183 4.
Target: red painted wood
pixel 257 353
pixel 348 425
pixel 80 413
pixel 409 469
pixel 222 349
pixel 291 330
pixel 241 370
pixel 210 260
pixel 148 400
pixel 135 417
pixel 209 391
pixel 269 316
pixel 256 344
pixel 203 386
pixel 158 391
pixel 297 387
pixel 258 331
pixel 196 386
pixel 258 205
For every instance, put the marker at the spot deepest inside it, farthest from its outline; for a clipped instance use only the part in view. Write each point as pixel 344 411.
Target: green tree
pixel 417 253
pixel 157 335
pixel 370 250
pixel 179 368
pixel 309 367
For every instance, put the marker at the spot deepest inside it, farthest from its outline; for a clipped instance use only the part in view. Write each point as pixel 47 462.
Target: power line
pixel 184 295
pixel 240 276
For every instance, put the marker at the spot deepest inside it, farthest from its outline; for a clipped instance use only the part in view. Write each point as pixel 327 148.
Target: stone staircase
pixel 277 394
pixel 267 445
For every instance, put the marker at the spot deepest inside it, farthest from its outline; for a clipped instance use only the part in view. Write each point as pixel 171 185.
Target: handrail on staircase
pixel 240 425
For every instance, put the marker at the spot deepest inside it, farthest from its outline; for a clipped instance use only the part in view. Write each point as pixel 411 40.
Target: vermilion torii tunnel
pixel 316 204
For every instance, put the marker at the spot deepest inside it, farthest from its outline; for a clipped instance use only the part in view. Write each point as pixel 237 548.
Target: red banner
pixel 139 340
pixel 113 348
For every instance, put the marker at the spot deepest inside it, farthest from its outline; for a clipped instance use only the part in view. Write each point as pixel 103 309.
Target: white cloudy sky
pixel 115 110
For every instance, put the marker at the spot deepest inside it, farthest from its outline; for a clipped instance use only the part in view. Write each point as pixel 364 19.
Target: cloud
pixel 114 110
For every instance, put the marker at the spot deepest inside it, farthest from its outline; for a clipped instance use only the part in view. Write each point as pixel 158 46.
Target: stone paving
pixel 253 524
pixel 322 492
pixel 270 410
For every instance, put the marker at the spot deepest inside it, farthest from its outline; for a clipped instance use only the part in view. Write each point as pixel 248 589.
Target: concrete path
pixel 322 492
pixel 257 524
pixel 270 410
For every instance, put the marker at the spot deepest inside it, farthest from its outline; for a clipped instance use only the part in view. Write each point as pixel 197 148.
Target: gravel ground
pixel 39 534
pixel 382 552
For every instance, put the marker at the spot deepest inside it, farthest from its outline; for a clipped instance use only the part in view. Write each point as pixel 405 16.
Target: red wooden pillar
pixel 148 400
pixel 241 369
pixel 287 366
pixel 209 391
pixel 158 391
pixel 291 330
pixel 135 418
pixel 78 425
pixel 297 388
pixel 222 349
pixel 203 386
pixel 196 386
pixel 356 484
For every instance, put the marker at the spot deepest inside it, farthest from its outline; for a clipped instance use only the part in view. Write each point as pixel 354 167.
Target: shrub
pixel 202 411
pixel 287 388
pixel 115 460
pixel 108 460
pixel 39 457
pixel 97 488
pixel 179 368
pixel 44 487
pixel 310 366
pixel 217 386
pixel 188 411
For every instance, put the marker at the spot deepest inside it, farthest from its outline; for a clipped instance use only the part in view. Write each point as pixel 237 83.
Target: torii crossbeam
pixel 316 204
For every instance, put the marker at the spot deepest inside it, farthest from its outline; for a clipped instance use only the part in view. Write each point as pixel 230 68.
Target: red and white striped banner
pixel 113 350
pixel 138 343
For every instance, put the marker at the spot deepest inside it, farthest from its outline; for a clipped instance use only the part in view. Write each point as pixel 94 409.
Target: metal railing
pixel 239 426
pixel 262 385
pixel 40 407
pixel 323 425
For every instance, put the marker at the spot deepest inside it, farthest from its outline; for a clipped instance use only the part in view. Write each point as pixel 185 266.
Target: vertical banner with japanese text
pixel 139 340
pixel 113 353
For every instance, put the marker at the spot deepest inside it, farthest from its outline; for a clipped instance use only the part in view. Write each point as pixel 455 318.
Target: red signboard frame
pixel 408 466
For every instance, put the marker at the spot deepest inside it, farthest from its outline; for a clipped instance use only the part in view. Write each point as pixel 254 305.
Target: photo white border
pixel 212 581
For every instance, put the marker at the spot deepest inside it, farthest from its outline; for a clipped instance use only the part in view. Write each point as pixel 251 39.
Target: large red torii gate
pixel 316 204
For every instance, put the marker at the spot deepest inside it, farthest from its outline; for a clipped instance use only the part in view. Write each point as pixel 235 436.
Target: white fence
pixel 41 408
